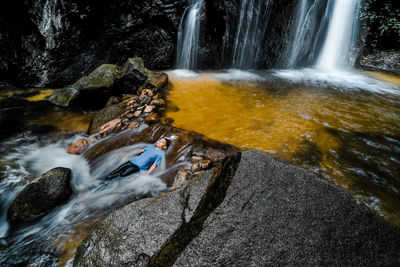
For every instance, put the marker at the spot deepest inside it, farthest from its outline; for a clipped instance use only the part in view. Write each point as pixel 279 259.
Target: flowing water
pixel 188 36
pixel 343 127
pixel 325 35
pixel 336 52
pixel 27 156
pixel 247 49
pixel 52 238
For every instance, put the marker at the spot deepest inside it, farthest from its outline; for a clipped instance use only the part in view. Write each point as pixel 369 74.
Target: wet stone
pixel 149 109
pixel 157 102
pixel 144 100
pixel 41 195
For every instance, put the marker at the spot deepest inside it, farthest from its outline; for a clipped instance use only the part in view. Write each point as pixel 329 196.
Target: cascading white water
pixel 253 19
pixel 31 156
pixel 188 36
pixel 50 21
pixel 308 32
pixel 336 50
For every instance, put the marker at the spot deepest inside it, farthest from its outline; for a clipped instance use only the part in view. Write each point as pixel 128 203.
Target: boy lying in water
pixel 148 159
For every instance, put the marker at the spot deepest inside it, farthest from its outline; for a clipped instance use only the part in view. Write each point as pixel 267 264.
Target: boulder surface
pixel 41 195
pixel 278 214
pixel 269 213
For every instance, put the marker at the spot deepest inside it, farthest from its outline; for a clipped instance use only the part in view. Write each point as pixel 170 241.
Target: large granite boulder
pixel 41 195
pixel 133 234
pixel 186 147
pixel 269 213
pixel 277 214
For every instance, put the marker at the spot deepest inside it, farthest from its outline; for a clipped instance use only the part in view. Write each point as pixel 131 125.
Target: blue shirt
pixel 148 157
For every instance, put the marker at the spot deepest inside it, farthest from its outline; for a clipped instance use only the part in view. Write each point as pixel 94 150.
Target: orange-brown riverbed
pixel 351 137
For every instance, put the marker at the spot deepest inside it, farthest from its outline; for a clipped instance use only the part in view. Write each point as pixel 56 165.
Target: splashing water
pixel 27 156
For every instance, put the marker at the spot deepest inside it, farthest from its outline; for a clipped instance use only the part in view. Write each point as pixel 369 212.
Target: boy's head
pixel 163 143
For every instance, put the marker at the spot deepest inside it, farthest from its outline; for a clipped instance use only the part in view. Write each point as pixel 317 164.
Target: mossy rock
pixel 93 91
pixel 89 91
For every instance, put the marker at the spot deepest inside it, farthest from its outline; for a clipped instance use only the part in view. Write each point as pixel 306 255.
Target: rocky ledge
pixel 385 61
pixel 268 213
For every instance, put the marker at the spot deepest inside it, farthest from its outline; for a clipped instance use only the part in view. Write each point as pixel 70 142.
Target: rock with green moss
pixel 108 80
pixel 90 91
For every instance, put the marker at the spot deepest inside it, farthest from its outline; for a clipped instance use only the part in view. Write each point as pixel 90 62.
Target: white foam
pixel 237 75
pixel 181 73
pixel 338 79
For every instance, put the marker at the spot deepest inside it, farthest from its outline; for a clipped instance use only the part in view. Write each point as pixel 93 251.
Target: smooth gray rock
pixel 276 214
pixel 133 234
pixel 41 195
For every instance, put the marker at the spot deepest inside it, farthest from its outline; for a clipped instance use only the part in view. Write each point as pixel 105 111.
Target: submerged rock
pixel 41 195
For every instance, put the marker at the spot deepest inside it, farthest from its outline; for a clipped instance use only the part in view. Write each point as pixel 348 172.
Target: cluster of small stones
pixel 200 161
pixel 140 108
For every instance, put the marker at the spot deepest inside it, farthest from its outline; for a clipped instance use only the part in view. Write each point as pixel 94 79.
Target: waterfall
pixel 50 21
pixel 250 34
pixel 338 44
pixel 188 36
pixel 325 34
pixel 309 32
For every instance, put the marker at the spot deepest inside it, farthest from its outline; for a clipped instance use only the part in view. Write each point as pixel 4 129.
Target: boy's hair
pixel 168 142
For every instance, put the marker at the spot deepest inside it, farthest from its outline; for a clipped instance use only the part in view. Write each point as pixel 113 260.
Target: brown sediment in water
pixel 32 94
pixel 384 77
pixel 297 124
pixel 66 121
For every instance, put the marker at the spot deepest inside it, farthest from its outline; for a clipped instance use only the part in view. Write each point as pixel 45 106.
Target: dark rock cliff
pixel 53 43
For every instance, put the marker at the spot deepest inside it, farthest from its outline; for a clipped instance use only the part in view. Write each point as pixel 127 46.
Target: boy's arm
pixel 152 169
pixel 126 152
